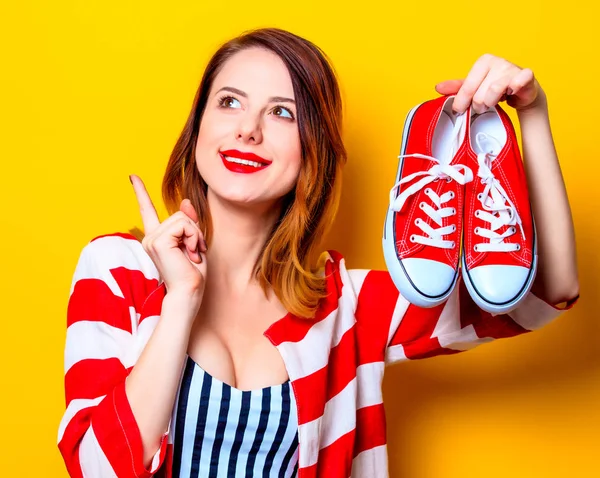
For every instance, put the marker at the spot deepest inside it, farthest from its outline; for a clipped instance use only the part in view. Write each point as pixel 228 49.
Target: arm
pixel 113 312
pixel 556 280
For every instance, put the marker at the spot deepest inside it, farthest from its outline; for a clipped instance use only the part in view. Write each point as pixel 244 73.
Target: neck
pixel 239 234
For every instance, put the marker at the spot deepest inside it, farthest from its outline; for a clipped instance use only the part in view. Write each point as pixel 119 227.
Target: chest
pixel 227 341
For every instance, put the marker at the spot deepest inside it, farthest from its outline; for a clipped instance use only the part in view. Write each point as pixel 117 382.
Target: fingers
pixel 187 208
pixel 186 231
pixel 147 209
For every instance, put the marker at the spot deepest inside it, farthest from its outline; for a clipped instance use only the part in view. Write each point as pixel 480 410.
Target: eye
pixel 280 109
pixel 226 101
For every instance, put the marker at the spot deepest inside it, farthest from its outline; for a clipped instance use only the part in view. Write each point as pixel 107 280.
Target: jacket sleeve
pixel 98 436
pixel 403 331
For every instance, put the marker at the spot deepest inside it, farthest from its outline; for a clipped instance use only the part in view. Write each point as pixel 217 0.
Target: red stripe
pixel 335 460
pixel 92 300
pixel 119 436
pixel 484 323
pixel 308 471
pixel 415 331
pixel 91 378
pixel 313 387
pixel 370 428
pixel 342 363
pixel 376 303
pixel 124 235
pixel 152 305
pixel 293 329
pixel 134 285
pixel 69 445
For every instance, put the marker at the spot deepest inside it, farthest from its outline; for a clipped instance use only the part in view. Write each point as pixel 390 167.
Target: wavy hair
pixel 288 260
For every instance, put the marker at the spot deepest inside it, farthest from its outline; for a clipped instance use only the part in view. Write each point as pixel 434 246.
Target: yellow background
pixel 92 91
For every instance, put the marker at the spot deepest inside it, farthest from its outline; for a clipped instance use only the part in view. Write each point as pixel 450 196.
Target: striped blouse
pixel 221 431
pixel 335 361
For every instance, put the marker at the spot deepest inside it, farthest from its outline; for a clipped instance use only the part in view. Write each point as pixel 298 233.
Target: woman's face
pixel 250 117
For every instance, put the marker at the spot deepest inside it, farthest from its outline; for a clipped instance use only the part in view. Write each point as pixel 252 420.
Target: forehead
pixel 256 71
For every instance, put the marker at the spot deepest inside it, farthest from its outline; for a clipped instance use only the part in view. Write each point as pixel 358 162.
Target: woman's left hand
pixel 493 79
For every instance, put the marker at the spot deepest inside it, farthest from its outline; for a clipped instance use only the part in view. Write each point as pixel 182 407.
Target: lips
pixel 243 168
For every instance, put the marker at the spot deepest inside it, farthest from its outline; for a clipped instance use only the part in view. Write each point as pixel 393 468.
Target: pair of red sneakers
pixel 460 206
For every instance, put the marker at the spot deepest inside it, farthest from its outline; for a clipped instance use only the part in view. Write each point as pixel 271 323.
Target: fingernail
pixel 509 91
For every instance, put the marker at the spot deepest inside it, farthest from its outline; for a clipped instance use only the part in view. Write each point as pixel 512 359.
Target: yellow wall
pixel 95 90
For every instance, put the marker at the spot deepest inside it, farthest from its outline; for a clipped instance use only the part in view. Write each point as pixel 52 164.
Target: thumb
pixel 449 87
pixel 188 209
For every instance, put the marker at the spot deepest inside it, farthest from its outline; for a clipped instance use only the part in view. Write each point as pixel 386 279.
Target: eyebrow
pixel 271 99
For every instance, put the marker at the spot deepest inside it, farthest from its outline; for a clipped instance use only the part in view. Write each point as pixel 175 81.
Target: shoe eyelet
pixel 417 221
pixel 453 228
pixel 482 181
pixel 453 211
pixel 479 196
pixel 518 247
pixel 448 179
pixel 475 248
pixel 422 205
pixel 477 213
pixel 412 238
pixel 436 180
pixel 476 230
pixel 453 245
pixel 451 194
pixel 427 191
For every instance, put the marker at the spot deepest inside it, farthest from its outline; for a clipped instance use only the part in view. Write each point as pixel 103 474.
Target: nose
pixel 249 128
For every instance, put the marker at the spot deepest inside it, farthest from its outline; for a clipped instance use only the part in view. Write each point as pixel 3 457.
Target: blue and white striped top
pixel 223 432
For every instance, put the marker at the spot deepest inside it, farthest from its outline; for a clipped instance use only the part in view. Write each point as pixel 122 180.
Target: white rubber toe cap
pixel 499 284
pixel 431 278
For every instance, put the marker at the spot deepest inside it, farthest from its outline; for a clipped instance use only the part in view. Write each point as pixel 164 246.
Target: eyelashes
pixel 223 100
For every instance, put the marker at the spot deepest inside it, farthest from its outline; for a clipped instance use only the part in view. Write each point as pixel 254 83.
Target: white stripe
pixel 292 464
pixel 249 434
pixel 339 416
pixel 314 348
pixel 464 339
pixel 233 418
pixel 290 432
pixel 210 428
pixel 534 313
pixel 449 320
pixel 273 419
pixel 308 438
pixel 75 406
pixel 189 427
pixel 92 459
pixel 98 257
pixel 395 353
pixel 370 378
pixel 97 340
pixel 371 463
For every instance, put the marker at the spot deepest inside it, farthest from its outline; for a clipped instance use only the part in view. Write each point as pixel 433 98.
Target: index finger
pixel 147 209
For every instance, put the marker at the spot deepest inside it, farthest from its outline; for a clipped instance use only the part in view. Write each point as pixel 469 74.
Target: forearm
pixel 557 278
pixel 151 387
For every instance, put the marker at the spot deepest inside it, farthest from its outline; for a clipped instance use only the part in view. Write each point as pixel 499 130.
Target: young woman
pixel 225 344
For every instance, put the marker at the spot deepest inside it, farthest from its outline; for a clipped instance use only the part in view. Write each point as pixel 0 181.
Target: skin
pixel 214 310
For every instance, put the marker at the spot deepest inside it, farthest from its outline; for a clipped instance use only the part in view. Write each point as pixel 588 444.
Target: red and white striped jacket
pixel 335 361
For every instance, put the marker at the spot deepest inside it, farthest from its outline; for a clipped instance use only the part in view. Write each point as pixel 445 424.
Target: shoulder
pixel 332 264
pixel 117 259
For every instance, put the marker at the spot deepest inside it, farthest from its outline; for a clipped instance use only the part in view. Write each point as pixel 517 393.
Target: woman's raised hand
pixel 176 246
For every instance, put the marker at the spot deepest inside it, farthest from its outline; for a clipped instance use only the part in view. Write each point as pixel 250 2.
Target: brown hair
pixel 288 259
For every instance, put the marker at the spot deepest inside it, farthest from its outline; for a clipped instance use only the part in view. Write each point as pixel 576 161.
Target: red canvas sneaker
pixel 421 237
pixel 499 259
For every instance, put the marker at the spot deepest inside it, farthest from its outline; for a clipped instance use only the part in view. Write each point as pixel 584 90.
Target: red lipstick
pixel 237 167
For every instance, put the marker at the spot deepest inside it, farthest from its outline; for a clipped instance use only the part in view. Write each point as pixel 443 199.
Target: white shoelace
pixel 442 170
pixel 494 199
